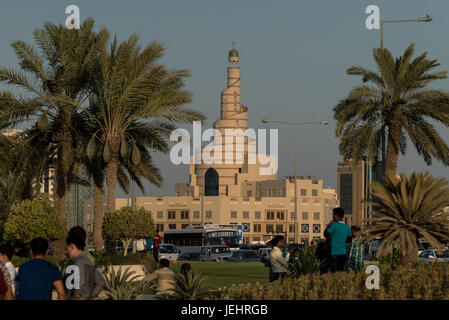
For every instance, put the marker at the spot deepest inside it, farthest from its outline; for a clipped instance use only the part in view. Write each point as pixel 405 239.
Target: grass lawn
pixel 224 274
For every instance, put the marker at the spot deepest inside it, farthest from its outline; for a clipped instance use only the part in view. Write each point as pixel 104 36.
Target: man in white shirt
pixel 279 263
pixel 6 253
pixel 165 278
pixel 140 245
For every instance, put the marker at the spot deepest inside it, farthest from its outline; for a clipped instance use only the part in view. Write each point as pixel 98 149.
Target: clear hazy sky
pixel 293 53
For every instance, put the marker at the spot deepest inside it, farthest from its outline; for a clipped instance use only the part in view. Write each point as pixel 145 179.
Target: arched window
pixel 211 182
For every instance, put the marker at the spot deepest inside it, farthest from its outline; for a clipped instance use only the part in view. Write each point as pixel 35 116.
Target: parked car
pixel 244 256
pixel 423 245
pixel 433 255
pixel 169 252
pixel 264 254
pixel 373 246
pixel 189 256
pixel 252 246
pixel 215 253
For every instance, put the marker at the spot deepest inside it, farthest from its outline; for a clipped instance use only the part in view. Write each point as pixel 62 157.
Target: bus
pixel 191 239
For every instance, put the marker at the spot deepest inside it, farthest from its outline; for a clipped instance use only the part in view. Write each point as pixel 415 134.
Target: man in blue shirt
pixel 339 232
pixel 37 277
pixel 149 245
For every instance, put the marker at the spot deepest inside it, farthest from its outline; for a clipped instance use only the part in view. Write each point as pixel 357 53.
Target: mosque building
pixel 235 192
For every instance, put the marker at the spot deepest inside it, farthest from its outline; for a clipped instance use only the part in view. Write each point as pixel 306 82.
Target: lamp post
pixel 422 19
pixel 295 124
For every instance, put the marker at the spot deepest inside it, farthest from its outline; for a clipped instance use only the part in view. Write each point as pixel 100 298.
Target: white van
pixel 215 253
pixel 264 253
pixel 169 252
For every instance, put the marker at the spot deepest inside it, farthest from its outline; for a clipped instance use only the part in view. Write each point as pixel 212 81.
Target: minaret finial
pixel 233 54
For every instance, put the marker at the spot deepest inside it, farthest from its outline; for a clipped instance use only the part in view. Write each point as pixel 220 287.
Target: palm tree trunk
pixel 411 258
pixel 111 182
pixel 98 218
pixel 62 169
pixel 111 173
pixel 394 138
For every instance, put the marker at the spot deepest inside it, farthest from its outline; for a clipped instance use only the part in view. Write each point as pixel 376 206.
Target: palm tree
pixel 56 79
pixel 408 209
pixel 136 104
pixel 399 98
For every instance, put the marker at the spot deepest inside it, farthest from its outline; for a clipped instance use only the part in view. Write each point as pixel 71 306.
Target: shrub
pixel 18 261
pixel 392 259
pixel 305 262
pixel 425 281
pixel 33 218
pixel 118 283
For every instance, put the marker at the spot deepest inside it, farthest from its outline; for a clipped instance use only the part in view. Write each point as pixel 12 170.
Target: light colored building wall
pixel 266 216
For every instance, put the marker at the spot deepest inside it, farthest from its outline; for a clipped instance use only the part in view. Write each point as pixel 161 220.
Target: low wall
pixel 138 270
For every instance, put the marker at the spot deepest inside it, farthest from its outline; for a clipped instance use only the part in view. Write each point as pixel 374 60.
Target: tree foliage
pixel 135 105
pixel 55 79
pixel 408 209
pixel 127 224
pixel 398 97
pixel 33 218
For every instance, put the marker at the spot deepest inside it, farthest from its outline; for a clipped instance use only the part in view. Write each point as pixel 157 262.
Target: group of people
pixel 341 251
pixel 37 277
pixel 150 245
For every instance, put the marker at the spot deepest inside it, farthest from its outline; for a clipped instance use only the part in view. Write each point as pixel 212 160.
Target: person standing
pixel 356 254
pixel 279 262
pixel 323 254
pixel 5 284
pixel 156 243
pixel 37 277
pixel 140 245
pixel 90 280
pixel 339 232
pixel 149 245
pixel 6 253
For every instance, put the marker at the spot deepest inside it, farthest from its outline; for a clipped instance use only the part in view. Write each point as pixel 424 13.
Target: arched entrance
pixel 211 182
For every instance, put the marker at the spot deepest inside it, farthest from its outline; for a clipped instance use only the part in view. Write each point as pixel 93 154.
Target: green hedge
pixel 18 261
pixel 429 281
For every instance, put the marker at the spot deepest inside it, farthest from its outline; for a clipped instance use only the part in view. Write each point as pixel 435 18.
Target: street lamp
pixel 295 124
pixel 427 18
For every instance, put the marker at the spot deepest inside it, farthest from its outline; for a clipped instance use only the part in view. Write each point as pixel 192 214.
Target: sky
pixel 293 58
